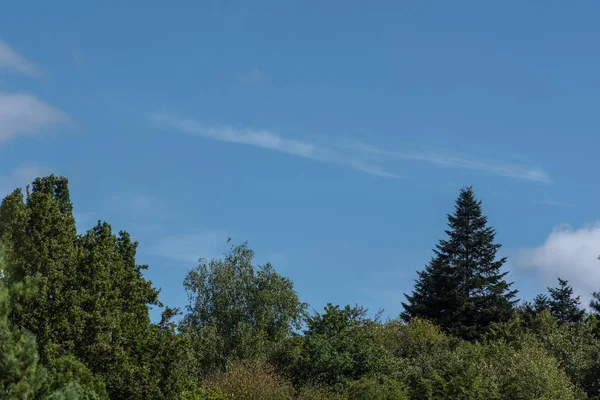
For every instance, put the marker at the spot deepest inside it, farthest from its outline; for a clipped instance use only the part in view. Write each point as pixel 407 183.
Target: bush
pixel 251 380
pixel 319 393
pixel 528 372
pixel 376 389
pixel 69 376
pixel 411 340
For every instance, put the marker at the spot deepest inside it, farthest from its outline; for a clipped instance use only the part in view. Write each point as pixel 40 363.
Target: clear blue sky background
pixel 334 136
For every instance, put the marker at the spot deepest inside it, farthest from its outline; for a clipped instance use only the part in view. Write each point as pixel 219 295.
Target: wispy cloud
pixel 554 203
pixel 271 141
pixel 25 114
pixel 252 76
pixel 12 61
pixel 511 170
pixel 189 248
pixel 21 177
pixel 357 155
pixel 567 253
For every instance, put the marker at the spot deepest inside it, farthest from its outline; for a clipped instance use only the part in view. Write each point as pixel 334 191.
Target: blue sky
pixel 334 136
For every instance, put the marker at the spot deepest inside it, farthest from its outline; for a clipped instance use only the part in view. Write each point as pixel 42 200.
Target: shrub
pixel 251 380
pixel 376 389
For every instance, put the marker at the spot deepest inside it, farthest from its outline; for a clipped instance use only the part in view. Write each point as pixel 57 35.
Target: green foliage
pixel 238 311
pixel 87 301
pixel 21 375
pixel 319 393
pixel 449 374
pixel 114 302
pixel 462 289
pixel 251 380
pixel 411 340
pixel 527 372
pixel 340 346
pixel 91 299
pixel 563 306
pixel 595 303
pixel 41 235
pixel 203 394
pixel 67 375
pixel 73 391
pixel 376 389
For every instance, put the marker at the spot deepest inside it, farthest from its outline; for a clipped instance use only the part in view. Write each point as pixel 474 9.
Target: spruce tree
pixel 563 306
pixel 462 289
pixel 595 303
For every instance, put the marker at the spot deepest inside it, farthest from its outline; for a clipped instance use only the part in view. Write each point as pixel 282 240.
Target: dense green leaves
pixel 239 311
pixel 21 374
pixel 340 345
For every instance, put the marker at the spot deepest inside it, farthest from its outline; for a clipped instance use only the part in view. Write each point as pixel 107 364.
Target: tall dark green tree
pixel 40 235
pixel 21 374
pixel 563 305
pixel 463 289
pixel 595 303
pixel 92 299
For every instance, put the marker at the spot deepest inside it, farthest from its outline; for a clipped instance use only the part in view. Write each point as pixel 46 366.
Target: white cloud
pixel 190 248
pixel 271 141
pixel 13 61
pixel 25 114
pixel 21 177
pixel 510 170
pixel 252 76
pixel 570 254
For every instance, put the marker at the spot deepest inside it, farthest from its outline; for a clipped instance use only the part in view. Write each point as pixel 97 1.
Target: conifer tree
pixel 563 306
pixel 462 289
pixel 40 235
pixel 595 303
pixel 21 374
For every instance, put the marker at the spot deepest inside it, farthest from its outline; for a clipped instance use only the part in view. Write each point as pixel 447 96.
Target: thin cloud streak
pixel 269 140
pixel 13 61
pixel 26 114
pixel 509 170
pixel 359 156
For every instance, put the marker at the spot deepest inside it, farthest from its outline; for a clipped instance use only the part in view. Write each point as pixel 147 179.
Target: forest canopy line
pixel 74 323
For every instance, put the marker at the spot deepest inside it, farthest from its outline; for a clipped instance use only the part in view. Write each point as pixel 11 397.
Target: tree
pixel 40 234
pixel 462 288
pixel 114 300
pixel 595 303
pixel 563 306
pixel 21 374
pixel 237 311
pixel 92 299
pixel 340 346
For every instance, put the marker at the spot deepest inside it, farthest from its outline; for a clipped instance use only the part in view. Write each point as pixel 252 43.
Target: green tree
pixel 563 306
pixel 383 388
pixel 92 299
pixel 595 303
pixel 21 374
pixel 462 289
pixel 114 300
pixel 40 234
pixel 238 311
pixel 69 378
pixel 341 345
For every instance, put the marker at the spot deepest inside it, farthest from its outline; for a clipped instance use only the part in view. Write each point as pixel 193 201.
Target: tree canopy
pixel 75 323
